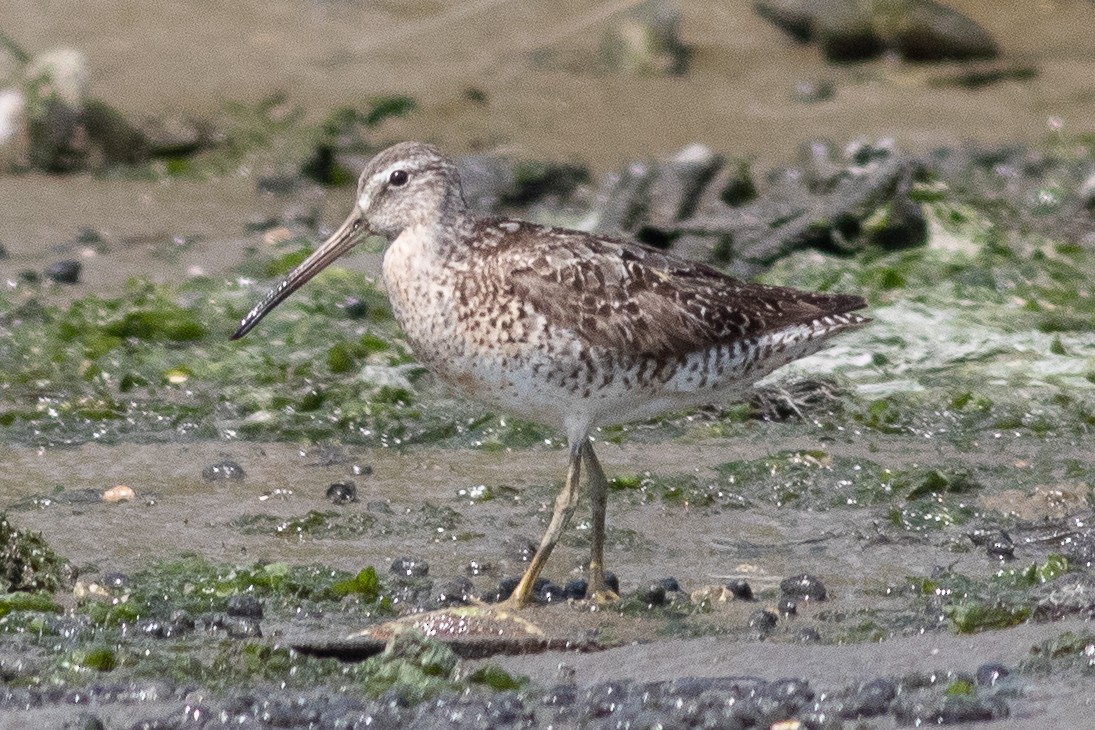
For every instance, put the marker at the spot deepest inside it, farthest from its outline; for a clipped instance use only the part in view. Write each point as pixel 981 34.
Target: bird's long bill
pixel 341 241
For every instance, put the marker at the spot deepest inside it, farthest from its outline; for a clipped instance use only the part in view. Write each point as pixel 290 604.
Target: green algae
pixel 1006 598
pixel 28 563
pixel 1070 650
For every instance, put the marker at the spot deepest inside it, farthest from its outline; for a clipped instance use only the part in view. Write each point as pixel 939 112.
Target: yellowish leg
pixel 598 592
pixel 564 508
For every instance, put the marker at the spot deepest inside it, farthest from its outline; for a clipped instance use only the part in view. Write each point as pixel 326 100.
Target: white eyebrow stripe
pixel 383 174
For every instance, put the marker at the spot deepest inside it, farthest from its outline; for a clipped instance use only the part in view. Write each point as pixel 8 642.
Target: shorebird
pixel 562 327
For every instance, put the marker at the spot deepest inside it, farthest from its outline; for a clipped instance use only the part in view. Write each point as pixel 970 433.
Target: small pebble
pixel 64 272
pixel 119 493
pixel 550 593
pixel 804 587
pixel 379 507
pixel 612 582
pixel 115 580
pixel 787 606
pixel 245 605
pixel 410 567
pixel 222 471
pixel 741 589
pixel 873 698
pixel 764 621
pixel 342 492
pixel 519 548
pixel 989 674
pixel 354 308
pixel 454 592
pixel 478 567
pixel 653 595
pixel 361 470
pixel 238 627
pixel 506 587
pixel 670 585
pixel 809 635
pixel 84 721
pixel 576 589
pixel 1001 547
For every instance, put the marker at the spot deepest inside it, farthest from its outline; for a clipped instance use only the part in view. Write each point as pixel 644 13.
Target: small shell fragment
pixel 119 493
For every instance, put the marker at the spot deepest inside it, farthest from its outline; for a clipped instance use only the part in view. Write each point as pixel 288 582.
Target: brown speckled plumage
pixel 561 326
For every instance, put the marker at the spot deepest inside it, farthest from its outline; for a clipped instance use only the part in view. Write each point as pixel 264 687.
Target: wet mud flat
pixel 896 531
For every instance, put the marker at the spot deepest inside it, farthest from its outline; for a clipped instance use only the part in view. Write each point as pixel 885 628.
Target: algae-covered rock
pixel 646 40
pixel 852 30
pixel 27 563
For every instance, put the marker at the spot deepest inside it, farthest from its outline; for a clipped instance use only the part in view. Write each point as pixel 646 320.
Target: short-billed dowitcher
pixel 562 327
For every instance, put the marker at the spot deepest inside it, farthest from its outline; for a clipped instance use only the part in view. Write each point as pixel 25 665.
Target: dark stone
pixel 902 223
pixel 379 506
pixel 478 567
pixel 549 592
pixel 245 605
pixel 612 582
pixel 223 471
pixel 787 606
pixel 792 690
pixel 989 674
pixel 678 183
pixel 181 623
pixel 1001 547
pixel 520 549
pixel 958 709
pixel 84 721
pixel 152 627
pixel 66 271
pixel 361 470
pixel 115 580
pixel 763 621
pixel 534 180
pixel 354 308
pixel 670 585
pixel 342 492
pixel 741 589
pixel 849 30
pixel 242 628
pixel 923 30
pixel 410 567
pixel 454 592
pixel 653 595
pixel 576 589
pixel 809 635
pixel 804 587
pixel 872 699
pixel 506 587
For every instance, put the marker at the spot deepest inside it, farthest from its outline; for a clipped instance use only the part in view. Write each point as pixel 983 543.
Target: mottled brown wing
pixel 631 298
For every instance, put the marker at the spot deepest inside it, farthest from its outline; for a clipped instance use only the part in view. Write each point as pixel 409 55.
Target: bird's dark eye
pixel 398 178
